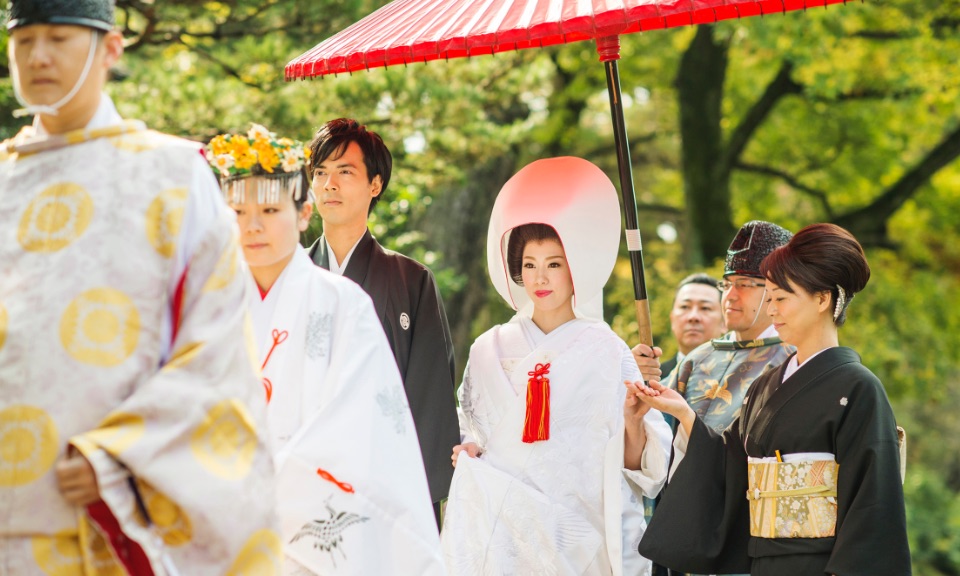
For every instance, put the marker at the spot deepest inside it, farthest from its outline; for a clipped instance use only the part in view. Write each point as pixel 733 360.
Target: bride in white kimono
pixel 353 495
pixel 553 462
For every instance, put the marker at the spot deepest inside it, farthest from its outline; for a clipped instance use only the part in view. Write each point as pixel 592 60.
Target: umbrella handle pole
pixel 609 50
pixel 643 322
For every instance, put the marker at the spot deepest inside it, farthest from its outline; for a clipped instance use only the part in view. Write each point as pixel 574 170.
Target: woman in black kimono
pixel 807 480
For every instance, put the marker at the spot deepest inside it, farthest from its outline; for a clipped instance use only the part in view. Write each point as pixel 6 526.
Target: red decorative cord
pixel 536 424
pixel 329 477
pixel 278 337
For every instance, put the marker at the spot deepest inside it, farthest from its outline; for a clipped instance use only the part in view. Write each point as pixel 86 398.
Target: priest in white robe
pixel 353 495
pixel 553 463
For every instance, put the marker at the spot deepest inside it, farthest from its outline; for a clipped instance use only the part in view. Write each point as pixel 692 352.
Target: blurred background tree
pixel 849 115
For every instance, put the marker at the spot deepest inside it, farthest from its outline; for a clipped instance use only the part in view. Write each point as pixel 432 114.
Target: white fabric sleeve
pixel 203 206
pixel 679 449
pixel 650 478
pixel 465 435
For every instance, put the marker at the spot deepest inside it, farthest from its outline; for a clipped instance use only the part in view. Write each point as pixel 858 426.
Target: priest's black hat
pixel 753 242
pixel 96 14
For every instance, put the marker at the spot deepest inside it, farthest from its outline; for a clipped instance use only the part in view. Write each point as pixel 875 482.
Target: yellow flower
pixel 268 159
pixel 246 160
pixel 219 145
pixel 239 146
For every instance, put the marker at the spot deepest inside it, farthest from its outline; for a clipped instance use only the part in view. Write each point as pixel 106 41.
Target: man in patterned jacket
pixel 131 415
pixel 716 376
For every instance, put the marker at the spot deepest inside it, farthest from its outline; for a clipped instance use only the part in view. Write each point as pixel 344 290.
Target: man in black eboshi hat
pixel 131 414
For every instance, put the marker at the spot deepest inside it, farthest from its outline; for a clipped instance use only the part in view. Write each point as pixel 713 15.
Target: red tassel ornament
pixel 536 425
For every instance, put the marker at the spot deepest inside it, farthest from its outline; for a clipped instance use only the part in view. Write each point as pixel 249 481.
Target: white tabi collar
pixel 793 366
pixel 335 266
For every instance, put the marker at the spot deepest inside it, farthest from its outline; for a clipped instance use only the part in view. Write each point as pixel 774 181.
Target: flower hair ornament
pixel 278 162
pixel 841 302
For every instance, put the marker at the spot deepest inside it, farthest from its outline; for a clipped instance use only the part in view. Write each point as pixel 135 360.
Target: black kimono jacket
pixel 408 304
pixel 831 404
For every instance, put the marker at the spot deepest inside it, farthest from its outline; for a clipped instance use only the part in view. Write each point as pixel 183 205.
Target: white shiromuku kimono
pixel 566 505
pixel 122 334
pixel 353 494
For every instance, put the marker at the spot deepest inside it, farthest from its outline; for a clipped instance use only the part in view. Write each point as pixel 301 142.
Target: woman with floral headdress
pixel 552 465
pixel 350 474
pixel 807 480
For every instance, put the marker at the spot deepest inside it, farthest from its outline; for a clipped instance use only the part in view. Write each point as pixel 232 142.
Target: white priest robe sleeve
pixel 354 495
pixel 168 479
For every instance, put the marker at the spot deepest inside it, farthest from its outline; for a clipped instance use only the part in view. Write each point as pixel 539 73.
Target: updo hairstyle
pixel 820 258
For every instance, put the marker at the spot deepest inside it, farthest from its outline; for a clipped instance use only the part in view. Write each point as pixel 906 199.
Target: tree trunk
pixel 458 228
pixel 706 187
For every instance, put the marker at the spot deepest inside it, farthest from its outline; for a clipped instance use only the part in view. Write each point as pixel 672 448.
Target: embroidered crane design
pixel 327 535
pixel 716 391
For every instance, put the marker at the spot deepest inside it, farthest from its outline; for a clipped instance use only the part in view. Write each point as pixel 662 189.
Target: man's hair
pixel 333 138
pixel 699 278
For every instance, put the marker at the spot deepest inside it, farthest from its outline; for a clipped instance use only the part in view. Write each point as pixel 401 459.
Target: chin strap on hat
pixel 54 109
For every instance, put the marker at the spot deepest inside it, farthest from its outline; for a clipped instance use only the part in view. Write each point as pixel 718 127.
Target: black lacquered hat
pixel 755 240
pixel 96 14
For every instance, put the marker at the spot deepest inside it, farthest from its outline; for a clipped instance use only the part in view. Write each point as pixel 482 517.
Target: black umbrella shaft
pixel 625 166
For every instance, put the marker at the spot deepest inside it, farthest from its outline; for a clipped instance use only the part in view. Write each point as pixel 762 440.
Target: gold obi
pixel 793 499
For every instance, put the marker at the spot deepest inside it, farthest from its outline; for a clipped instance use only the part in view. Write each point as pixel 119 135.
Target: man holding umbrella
pixel 351 169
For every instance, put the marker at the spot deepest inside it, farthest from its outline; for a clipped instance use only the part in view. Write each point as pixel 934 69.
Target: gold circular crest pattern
pixel 58 555
pixel 136 142
pixel 101 327
pixel 55 218
pixel 164 216
pixel 119 431
pixel 3 325
pixel 28 444
pixel 225 269
pixel 226 440
pixel 260 556
pixel 171 522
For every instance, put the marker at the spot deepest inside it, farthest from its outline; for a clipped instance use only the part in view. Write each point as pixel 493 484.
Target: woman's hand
pixel 76 480
pixel 471 448
pixel 634 409
pixel 664 399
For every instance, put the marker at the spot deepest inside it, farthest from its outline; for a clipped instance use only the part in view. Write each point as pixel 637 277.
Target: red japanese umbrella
pixel 408 31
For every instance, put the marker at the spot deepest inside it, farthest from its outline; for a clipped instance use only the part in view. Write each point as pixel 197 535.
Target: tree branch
pixel 781 85
pixel 230 70
pixel 871 221
pixel 860 94
pixel 882 35
pixel 611 147
pixel 792 181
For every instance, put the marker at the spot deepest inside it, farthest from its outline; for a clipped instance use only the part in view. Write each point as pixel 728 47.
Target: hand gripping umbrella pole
pixel 608 47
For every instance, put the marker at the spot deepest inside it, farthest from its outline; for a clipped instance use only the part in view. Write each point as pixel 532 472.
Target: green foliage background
pixel 874 94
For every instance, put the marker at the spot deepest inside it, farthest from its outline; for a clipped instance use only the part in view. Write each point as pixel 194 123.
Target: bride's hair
pixel 519 238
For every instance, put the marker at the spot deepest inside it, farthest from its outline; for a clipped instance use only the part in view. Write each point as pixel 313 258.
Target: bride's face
pixel 546 275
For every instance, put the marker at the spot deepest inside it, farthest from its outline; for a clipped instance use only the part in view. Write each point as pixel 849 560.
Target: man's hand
pixel 76 480
pixel 472 451
pixel 648 361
